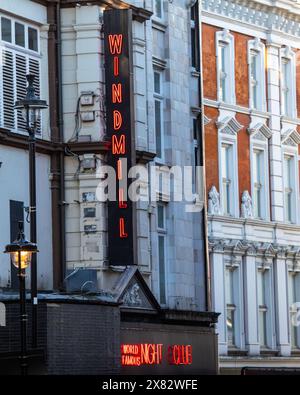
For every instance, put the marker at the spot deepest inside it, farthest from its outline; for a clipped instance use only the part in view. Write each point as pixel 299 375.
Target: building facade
pixel 251 95
pixel 163 292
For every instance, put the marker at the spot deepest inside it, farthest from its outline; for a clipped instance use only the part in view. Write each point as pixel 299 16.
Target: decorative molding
pixel 282 17
pixel 246 205
pixel 196 111
pixel 287 52
pixel 144 157
pixel 225 36
pixel 250 249
pixel 159 63
pixel 228 125
pixel 265 251
pixel 132 296
pixel 214 201
pixel 206 120
pixel 259 131
pixel 216 246
pixel 290 137
pixel 158 25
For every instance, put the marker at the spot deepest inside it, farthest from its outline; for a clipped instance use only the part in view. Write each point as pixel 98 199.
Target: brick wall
pixel 10 334
pixel 76 338
pixel 83 339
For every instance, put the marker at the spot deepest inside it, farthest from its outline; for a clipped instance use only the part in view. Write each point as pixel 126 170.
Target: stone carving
pixel 246 206
pixel 228 125
pixel 214 201
pixel 132 297
pixel 290 137
pixel 260 131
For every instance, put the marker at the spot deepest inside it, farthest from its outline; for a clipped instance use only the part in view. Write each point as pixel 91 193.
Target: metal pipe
pixel 61 137
pixel 201 145
pixel 33 227
pixel 23 318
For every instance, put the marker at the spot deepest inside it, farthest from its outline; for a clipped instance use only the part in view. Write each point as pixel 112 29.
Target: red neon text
pixel 116 91
pixel 122 232
pixel 122 204
pixel 116 66
pixel 115 43
pixel 152 354
pixel 180 355
pixel 117 117
pixel 118 145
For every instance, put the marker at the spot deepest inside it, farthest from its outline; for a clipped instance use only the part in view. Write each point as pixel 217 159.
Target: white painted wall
pixel 14 186
pixel 26 9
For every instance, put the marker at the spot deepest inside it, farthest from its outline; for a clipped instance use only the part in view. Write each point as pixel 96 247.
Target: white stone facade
pixel 244 250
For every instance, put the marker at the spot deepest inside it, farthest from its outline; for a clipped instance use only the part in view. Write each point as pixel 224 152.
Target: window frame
pixel 225 39
pixel 288 56
pixel 162 233
pixel 293 154
pixel 159 97
pixel 194 51
pixel 259 145
pixel 13 44
pixel 296 283
pixel 237 306
pixel 234 203
pixel 257 48
pixel 268 307
pixel 161 18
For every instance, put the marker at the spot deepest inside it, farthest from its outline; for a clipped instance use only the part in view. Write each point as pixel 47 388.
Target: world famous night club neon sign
pixel 154 354
pixel 118 81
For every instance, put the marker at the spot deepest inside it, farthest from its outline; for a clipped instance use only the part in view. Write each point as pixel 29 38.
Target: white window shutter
pixel 34 68
pixel 15 67
pixel 20 87
pixel 8 90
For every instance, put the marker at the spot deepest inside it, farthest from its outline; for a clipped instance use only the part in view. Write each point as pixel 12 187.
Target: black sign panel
pixel 119 121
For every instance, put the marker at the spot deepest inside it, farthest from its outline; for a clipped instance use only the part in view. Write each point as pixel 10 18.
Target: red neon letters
pixel 118 144
pixel 117 119
pixel 152 354
pixel 118 140
pixel 115 43
pixel 180 355
pixel 116 92
pixel 123 234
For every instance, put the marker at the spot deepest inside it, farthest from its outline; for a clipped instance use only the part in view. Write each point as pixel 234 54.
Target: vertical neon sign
pixel 118 81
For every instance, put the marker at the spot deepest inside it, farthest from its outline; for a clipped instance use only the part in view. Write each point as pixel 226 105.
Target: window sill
pixel 158 24
pixel 289 119
pixel 259 113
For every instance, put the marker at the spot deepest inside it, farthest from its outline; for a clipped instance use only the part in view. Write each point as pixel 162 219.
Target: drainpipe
pixel 201 155
pixel 61 138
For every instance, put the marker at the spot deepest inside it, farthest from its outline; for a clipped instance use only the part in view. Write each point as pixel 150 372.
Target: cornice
pixel 270 15
pixel 252 221
pixel 16 140
pixel 144 157
pixel 138 13
pixel 265 250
